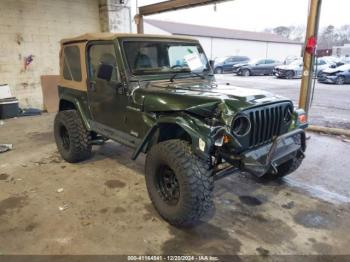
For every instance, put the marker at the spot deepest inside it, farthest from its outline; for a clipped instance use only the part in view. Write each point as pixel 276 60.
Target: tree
pixel 283 31
pixel 328 37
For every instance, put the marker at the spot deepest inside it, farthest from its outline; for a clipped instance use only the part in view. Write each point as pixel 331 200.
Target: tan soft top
pixel 112 36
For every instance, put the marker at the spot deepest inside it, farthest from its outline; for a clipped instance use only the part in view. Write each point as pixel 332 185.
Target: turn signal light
pixel 226 139
pixel 302 119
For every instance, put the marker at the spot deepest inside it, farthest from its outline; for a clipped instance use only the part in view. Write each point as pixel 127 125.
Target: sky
pixel 255 15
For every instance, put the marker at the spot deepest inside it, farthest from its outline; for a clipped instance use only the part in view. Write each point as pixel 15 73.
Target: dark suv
pixel 158 96
pixel 225 64
pixel 257 67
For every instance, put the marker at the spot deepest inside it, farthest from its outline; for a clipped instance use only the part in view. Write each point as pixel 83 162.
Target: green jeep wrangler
pixel 158 95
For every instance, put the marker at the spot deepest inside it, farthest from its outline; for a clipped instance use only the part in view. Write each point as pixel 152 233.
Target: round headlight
pixel 241 125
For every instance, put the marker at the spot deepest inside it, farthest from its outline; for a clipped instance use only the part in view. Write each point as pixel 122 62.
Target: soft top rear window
pixel 71 66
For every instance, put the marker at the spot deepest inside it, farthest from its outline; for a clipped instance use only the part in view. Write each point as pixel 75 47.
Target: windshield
pixel 257 61
pixel 343 67
pixel 164 57
pixel 220 60
pixel 298 62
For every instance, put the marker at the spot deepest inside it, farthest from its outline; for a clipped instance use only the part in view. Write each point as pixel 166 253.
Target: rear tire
pixel 72 138
pixel 179 184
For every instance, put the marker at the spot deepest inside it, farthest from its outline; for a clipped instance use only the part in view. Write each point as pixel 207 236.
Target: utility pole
pixel 309 54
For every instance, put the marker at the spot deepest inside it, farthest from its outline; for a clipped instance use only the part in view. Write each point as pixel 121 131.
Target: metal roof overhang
pixel 173 5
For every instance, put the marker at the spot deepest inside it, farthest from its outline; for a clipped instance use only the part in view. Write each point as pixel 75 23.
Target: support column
pixel 309 54
pixel 115 16
pixel 139 23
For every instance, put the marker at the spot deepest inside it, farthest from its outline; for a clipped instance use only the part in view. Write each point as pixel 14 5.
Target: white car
pixel 295 69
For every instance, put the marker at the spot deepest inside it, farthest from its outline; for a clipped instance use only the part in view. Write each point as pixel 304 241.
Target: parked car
pixel 257 67
pixel 295 69
pixel 339 75
pixel 225 64
pixel 333 61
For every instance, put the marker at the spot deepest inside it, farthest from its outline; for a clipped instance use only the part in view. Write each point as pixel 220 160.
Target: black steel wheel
pixel 167 185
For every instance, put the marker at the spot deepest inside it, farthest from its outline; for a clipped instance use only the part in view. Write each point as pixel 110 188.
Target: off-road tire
pixel 195 182
pixel 69 129
pixel 286 168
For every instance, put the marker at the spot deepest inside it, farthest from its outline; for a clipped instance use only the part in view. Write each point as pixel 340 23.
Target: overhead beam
pixel 172 5
pixel 167 6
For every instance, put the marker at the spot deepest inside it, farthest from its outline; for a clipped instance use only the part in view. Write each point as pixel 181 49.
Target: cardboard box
pixel 49 85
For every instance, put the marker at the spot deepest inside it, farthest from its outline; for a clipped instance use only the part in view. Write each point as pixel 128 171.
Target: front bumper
pixel 327 79
pixel 281 73
pixel 268 157
pixel 236 70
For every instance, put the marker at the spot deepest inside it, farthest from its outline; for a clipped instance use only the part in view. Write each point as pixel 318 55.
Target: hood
pixel 199 97
pixel 288 67
pixel 241 64
pixel 337 69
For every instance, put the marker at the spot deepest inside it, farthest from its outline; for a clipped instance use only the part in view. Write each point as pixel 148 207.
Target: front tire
pixel 290 75
pixel 340 80
pixel 179 184
pixel 72 138
pixel 218 70
pixel 286 168
pixel 246 72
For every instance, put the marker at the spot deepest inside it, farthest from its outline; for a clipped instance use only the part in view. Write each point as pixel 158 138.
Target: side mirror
pixel 105 72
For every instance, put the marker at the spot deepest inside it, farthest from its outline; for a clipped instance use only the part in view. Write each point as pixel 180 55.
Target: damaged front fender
pixel 202 136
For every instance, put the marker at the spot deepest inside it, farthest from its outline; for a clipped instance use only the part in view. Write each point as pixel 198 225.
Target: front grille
pixel 266 123
pixel 282 72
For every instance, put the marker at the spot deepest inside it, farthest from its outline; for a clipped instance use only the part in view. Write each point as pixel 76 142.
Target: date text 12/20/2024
pixel 173 258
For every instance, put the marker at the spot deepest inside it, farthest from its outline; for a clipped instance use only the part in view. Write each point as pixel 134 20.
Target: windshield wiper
pixel 191 73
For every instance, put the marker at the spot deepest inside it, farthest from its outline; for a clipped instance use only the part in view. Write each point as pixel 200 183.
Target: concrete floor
pixel 330 106
pixel 108 210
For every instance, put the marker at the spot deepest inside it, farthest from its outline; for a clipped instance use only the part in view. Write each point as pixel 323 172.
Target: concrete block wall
pixel 115 16
pixel 34 28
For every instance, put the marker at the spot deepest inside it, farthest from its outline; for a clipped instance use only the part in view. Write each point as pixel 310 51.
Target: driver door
pixel 106 97
pixel 259 68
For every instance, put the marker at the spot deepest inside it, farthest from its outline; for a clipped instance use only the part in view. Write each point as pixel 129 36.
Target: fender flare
pixel 82 110
pixel 183 123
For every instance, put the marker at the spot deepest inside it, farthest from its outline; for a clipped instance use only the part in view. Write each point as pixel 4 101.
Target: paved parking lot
pixel 105 208
pixel 331 104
